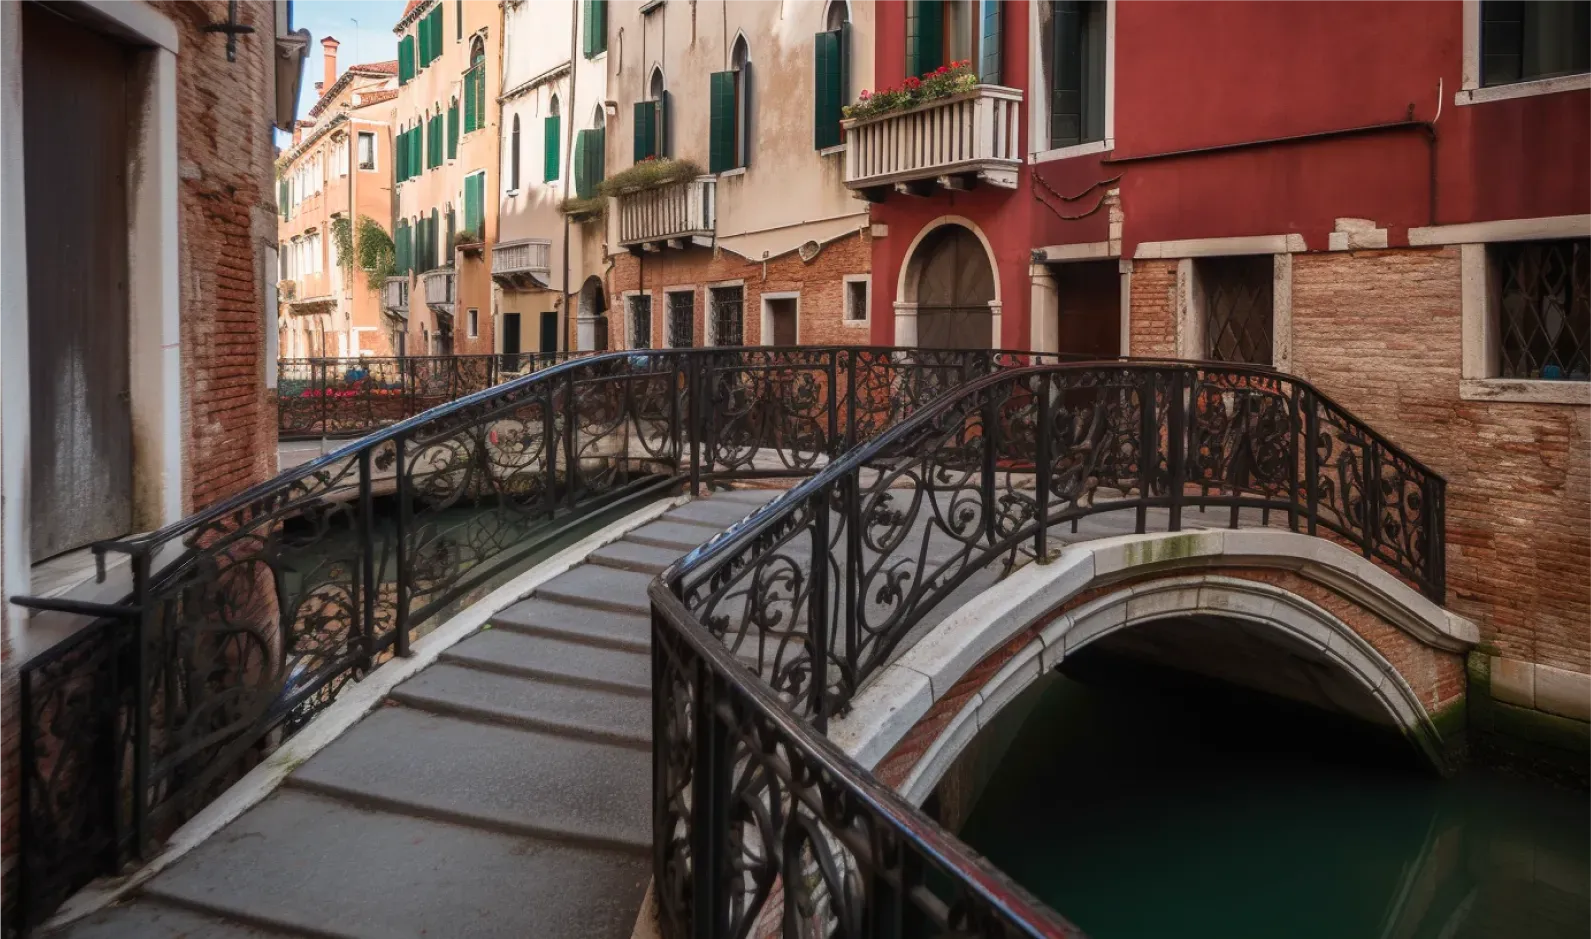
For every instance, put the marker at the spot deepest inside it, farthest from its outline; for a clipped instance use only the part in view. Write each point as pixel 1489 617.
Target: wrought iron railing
pixel 759 818
pixel 347 397
pixel 246 619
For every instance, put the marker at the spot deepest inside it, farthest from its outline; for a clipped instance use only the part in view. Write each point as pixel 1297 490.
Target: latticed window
pixel 726 310
pixel 1543 312
pixel 1237 308
pixel 641 322
pixel 681 314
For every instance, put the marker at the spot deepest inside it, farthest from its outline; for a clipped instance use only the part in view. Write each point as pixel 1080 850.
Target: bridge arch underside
pixel 1256 625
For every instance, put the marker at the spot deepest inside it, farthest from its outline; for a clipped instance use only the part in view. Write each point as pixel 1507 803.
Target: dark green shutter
pixel 433 237
pixel 472 208
pixel 400 167
pixel 435 16
pixel 416 149
pixel 660 121
pixel 589 160
pixel 469 103
pixel 582 178
pixel 281 197
pixel 829 87
pixel 743 119
pixel 400 247
pixel 436 137
pixel 645 130
pixel 453 130
pixel 1066 97
pixel 925 36
pixel 424 32
pixel 721 133
pixel 549 157
pixel 989 69
pixel 405 59
pixel 452 231
pixel 595 14
pixel 480 96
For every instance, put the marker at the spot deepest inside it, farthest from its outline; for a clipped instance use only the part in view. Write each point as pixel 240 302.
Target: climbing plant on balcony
pixel 372 251
pixel 650 173
pixel 946 80
pixel 584 210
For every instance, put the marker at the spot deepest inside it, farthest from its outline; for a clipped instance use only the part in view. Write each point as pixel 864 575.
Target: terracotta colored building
pixel 445 173
pixel 140 262
pixel 765 245
pixel 338 172
pixel 1388 199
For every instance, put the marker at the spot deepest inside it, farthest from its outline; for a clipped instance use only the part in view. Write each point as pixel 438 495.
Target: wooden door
pixel 782 322
pixel 954 287
pixel 510 333
pixel 75 125
pixel 549 333
pixel 1088 297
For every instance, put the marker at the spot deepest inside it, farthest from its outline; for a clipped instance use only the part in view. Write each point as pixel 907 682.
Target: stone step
pixel 148 918
pixel 718 513
pixel 751 497
pixel 556 660
pixel 634 556
pixel 502 778
pixel 303 861
pixel 563 709
pixel 542 617
pixel 602 588
pixel 676 535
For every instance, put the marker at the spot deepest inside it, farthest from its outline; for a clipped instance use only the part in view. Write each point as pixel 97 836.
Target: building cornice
pixel 525 87
pixel 413 16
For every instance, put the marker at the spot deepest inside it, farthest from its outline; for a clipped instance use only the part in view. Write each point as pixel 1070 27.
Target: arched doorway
pixel 592 322
pixel 953 285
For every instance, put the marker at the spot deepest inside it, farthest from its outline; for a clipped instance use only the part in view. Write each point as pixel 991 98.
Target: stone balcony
pixel 675 216
pixel 952 143
pixel 395 296
pixel 440 289
pixel 525 264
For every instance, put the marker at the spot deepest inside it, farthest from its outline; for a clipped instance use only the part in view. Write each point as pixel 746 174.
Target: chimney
pixel 319 87
pixel 328 54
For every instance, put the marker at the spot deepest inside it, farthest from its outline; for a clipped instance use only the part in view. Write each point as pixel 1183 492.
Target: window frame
pixel 630 296
pixel 765 317
pixel 669 293
pixel 867 300
pixel 1039 92
pixel 1471 91
pixel 472 321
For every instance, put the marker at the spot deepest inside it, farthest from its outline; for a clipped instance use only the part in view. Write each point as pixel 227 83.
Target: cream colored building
pixel 552 149
pixel 445 173
pixel 768 245
pixel 339 168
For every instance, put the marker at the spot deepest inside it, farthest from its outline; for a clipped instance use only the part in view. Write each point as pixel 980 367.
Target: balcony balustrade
pixel 395 296
pixel 523 264
pixel 675 216
pixel 953 142
pixel 439 289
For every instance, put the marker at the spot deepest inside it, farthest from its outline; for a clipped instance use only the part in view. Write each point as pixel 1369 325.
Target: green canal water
pixel 1140 806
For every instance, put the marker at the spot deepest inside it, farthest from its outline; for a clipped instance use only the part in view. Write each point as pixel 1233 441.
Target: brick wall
pixel 226 218
pixel 1153 326
pixel 1380 332
pixel 820 284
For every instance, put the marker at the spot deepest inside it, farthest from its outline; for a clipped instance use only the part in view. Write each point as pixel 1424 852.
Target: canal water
pixel 1140 805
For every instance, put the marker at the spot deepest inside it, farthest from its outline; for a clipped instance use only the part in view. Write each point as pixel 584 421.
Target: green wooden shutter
pixel 424 32
pixel 1066 97
pixel 743 119
pixel 433 238
pixel 660 119
pixel 578 164
pixel 405 64
pixel 417 158
pixel 281 197
pixel 989 69
pixel 721 134
pixel 826 94
pixel 469 104
pixel 480 96
pixel 399 249
pixel 436 137
pixel 925 36
pixel 645 130
pixel 549 158
pixel 589 162
pixel 452 232
pixel 453 130
pixel 595 15
pixel 398 168
pixel 472 208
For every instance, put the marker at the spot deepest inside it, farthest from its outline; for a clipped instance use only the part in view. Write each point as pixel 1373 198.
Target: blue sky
pixel 370 41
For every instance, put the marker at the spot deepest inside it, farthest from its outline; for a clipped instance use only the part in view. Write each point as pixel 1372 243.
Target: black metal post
pixel 319 366
pixel 851 499
pixel 549 446
pixel 149 627
pixel 1370 495
pixel 1293 431
pixel 1311 461
pixel 991 419
pixel 710 785
pixel 850 399
pixel 400 637
pixel 1177 445
pixel 571 467
pixel 693 383
pixel 1148 437
pixel 366 595
pixel 835 447
pixel 818 607
pixel 1041 467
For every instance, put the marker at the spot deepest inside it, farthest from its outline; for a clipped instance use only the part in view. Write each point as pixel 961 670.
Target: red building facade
pixel 1389 199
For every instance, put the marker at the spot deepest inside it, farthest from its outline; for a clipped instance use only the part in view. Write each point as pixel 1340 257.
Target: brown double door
pixel 954 287
pixel 75 114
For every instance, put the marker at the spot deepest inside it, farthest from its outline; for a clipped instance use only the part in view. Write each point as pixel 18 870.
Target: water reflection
pixel 1141 805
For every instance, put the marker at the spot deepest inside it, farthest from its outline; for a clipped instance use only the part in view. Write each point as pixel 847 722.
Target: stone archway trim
pixel 904 691
pixel 907 294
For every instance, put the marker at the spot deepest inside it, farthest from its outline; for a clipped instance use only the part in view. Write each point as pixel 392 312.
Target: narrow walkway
pixel 502 792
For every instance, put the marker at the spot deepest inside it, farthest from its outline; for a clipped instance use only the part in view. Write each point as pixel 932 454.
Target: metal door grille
pixel 1237 305
pixel 640 322
pixel 1543 311
pixel 728 316
pixel 681 320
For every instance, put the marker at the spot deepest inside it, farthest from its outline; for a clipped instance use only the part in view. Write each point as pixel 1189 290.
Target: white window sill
pixel 599 57
pixel 1544 86
pixel 1082 149
pixel 737 171
pixel 831 151
pixel 1524 391
pixel 855 324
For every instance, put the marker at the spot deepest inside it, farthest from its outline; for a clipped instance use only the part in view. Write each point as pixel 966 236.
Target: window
pixel 831 76
pixel 681 319
pixel 651 120
pixel 458 20
pixel 1076 64
pixel 726 316
pixel 433 240
pixel 282 259
pixel 1523 42
pixel 1237 307
pixel 595 15
pixel 406 68
pixel 730 144
pixel 589 161
pixel 1541 292
pixel 513 157
pixel 475 87
pixel 640 322
pixel 367 150
pixel 856 299
pixel 474 207
pixel 549 140
pixel 434 141
pixel 475 323
pixel 453 129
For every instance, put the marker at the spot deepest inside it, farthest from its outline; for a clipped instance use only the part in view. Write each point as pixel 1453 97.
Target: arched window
pixel 651 119
pixel 655 87
pixel 838 14
pixel 475 87
pixel 513 156
pixel 832 75
pixel 730 94
pixel 477 52
pixel 599 119
pixel 550 137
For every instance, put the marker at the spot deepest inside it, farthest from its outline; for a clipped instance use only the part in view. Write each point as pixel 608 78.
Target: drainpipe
pixel 568 169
